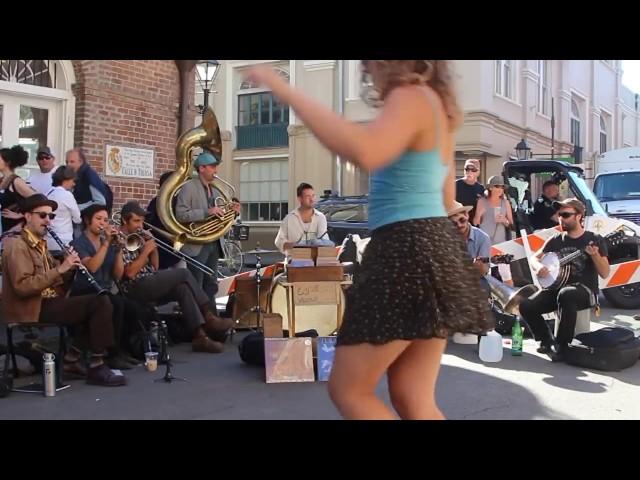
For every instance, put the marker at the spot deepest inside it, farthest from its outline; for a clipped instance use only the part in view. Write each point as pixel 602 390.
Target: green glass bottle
pixel 516 338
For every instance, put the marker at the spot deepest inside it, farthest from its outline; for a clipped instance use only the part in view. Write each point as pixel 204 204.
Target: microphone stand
pixel 168 376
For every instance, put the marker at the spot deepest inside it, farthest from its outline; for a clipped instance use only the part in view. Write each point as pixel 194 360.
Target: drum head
pixel 552 262
pixel 322 318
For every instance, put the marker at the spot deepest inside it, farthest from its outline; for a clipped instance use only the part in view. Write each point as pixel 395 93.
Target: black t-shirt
pixel 468 194
pixel 583 269
pixel 542 212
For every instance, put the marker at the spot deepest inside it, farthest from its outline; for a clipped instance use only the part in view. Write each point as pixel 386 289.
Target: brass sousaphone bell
pixel 205 136
pixel 509 297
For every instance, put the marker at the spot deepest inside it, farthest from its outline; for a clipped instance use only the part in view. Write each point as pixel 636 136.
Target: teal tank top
pixel 411 187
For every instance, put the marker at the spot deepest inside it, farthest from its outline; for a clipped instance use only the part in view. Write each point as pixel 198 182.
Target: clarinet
pixel 92 281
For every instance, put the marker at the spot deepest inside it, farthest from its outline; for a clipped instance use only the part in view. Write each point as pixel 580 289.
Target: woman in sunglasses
pixel 62 182
pixel 495 218
pixel 13 189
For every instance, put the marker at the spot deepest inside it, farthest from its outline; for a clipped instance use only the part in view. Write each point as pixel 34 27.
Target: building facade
pixel 268 151
pixel 125 114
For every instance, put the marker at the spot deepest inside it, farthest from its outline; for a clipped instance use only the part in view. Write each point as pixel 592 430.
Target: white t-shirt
pixel 294 230
pixel 67 214
pixel 41 182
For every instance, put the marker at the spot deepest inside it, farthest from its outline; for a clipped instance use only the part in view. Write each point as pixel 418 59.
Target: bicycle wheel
pixel 233 262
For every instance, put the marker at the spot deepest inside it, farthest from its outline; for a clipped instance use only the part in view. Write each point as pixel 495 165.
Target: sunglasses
pixel 44 215
pixel 470 169
pixel 44 157
pixel 567 214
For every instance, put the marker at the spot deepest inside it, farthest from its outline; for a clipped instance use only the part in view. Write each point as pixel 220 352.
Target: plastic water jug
pixel 491 347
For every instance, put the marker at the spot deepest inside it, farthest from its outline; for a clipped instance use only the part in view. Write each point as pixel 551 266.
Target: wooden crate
pixel 326 273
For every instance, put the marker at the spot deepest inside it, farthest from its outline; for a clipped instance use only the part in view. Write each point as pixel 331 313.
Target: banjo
pixel 559 265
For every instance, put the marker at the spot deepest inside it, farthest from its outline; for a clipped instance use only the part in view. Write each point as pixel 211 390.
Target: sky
pixel 631 75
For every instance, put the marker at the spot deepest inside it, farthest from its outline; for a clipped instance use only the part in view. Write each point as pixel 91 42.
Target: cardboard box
pixel 272 323
pixel 288 360
pixel 245 299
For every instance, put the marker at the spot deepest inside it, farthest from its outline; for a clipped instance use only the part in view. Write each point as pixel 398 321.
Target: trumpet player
pixel 33 291
pixel 195 202
pixel 144 283
pixel 99 250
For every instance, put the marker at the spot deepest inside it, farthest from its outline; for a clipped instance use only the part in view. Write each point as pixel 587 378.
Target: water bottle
pixel 516 338
pixel 49 375
pixel 491 347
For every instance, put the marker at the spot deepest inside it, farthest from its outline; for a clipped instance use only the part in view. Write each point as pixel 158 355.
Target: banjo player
pixel 579 292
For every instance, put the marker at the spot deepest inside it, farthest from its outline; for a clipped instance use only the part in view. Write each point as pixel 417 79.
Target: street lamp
pixel 522 150
pixel 207 71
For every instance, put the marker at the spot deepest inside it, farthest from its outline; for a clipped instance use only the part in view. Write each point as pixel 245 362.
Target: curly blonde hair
pixel 390 74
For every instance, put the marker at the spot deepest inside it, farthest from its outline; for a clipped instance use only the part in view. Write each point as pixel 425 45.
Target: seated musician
pixel 478 242
pixel 303 225
pixel 544 215
pixel 144 283
pixel 33 292
pixel 581 290
pixel 99 250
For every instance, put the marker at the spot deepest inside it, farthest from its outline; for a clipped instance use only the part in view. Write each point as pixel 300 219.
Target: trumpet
pixel 115 237
pixel 131 242
pixel 135 241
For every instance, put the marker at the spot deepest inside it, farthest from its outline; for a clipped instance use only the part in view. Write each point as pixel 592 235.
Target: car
pixel 345 215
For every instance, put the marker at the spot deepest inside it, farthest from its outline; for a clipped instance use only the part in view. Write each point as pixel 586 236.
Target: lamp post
pixel 207 71
pixel 522 150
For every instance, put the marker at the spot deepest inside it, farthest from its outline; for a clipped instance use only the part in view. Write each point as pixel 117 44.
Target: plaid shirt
pixel 145 271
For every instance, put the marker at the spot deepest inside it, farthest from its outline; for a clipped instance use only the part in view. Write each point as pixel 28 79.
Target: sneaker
pixel 206 345
pixel 103 375
pixel 547 346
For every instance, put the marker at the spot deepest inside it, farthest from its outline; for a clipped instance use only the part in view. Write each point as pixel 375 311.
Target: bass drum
pixel 322 318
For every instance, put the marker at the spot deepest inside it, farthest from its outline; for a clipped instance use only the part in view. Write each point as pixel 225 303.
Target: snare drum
pixel 322 318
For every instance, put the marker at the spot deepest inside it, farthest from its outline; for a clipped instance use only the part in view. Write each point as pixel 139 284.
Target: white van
pixel 617 183
pixel 620 159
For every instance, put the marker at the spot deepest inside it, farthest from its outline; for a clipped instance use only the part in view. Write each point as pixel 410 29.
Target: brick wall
pixel 131 103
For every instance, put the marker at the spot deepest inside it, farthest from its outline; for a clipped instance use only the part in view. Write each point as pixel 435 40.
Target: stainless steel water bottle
pixel 49 374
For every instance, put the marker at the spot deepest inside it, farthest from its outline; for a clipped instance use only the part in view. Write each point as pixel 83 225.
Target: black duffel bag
pixel 607 349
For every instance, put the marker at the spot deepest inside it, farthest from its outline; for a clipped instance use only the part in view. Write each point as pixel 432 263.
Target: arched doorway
pixel 36 107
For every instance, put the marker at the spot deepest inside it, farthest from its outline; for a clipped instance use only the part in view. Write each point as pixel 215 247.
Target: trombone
pixel 135 241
